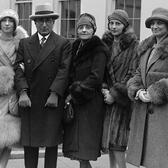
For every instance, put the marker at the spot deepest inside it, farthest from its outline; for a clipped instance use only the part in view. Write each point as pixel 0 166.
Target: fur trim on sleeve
pixel 81 93
pixel 119 92
pixel 133 85
pixel 159 92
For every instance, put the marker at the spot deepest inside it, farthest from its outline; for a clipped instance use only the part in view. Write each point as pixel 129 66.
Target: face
pixel 7 25
pixel 158 28
pixel 85 32
pixel 44 25
pixel 116 27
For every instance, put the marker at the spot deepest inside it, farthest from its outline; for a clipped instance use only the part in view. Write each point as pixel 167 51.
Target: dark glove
pixel 52 100
pixel 24 100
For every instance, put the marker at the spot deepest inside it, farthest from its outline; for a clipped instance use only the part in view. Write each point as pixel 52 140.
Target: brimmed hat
pixel 158 13
pixel 87 19
pixel 120 15
pixel 42 11
pixel 10 13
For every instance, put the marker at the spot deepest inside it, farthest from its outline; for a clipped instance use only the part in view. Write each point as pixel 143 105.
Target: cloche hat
pixel 87 19
pixel 10 13
pixel 121 15
pixel 158 13
pixel 42 11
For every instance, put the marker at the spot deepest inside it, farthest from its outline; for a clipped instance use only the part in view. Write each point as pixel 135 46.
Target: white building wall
pixel 5 4
pixel 146 10
pixel 98 9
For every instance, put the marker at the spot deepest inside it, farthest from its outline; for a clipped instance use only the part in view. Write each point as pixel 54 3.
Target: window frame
pixel 17 2
pixel 68 18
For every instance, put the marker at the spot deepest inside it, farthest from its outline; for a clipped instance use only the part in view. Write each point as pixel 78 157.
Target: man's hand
pixel 24 100
pixel 52 100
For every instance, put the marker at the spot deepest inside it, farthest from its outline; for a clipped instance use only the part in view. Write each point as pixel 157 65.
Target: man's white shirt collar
pixel 40 37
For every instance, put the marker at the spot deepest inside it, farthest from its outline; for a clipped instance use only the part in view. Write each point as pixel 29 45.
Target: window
pixel 24 9
pixel 70 11
pixel 133 7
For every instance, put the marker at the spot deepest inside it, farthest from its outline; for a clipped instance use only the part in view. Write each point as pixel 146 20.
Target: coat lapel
pixel 154 58
pixel 45 51
pixel 34 46
pixel 143 66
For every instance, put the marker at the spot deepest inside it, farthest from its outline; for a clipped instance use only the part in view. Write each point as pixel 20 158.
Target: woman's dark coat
pixel 148 144
pixel 44 70
pixel 120 68
pixel 82 138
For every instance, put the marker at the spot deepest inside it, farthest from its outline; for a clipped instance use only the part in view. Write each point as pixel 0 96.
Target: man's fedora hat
pixel 43 11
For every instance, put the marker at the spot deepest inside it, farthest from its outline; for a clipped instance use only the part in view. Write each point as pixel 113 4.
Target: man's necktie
pixel 43 41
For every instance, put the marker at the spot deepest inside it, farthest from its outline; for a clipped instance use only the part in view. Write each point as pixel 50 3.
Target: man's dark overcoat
pixel 41 71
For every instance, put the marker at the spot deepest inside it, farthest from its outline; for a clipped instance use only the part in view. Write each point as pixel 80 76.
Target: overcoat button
pixel 29 61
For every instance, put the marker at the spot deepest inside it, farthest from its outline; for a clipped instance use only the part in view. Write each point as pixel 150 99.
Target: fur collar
pixel 95 43
pixel 162 48
pixel 6 80
pixel 19 33
pixel 125 40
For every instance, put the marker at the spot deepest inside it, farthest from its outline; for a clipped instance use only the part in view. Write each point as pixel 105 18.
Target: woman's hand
pixel 108 98
pixel 144 96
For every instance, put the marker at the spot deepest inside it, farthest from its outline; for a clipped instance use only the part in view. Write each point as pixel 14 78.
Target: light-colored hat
pixel 42 11
pixel 120 15
pixel 10 13
pixel 158 13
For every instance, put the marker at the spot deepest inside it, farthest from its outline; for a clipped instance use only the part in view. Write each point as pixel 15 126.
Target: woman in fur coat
pixel 10 34
pixel 82 138
pixel 148 143
pixel 121 65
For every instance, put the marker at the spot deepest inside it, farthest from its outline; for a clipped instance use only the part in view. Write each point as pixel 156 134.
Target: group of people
pixel 117 86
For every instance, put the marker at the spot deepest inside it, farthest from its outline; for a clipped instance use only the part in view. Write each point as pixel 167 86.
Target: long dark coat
pixel 120 69
pixel 148 144
pixel 45 70
pixel 82 138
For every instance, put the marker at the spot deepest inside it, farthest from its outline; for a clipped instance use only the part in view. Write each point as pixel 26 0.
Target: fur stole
pixel 6 80
pixel 125 40
pixel 9 125
pixel 162 47
pixel 20 33
pixel 88 50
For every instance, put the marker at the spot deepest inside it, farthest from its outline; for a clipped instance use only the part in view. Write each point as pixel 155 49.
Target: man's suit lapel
pixel 45 50
pixel 34 46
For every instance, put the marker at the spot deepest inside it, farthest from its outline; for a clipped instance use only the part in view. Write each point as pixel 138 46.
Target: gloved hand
pixel 144 96
pixel 24 100
pixel 52 100
pixel 108 98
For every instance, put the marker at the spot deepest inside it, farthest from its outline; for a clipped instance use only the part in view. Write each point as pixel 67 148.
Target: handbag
pixel 68 112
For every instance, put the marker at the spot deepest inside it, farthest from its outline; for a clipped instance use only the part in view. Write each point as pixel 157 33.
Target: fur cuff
pixel 81 93
pixel 159 92
pixel 133 86
pixel 119 92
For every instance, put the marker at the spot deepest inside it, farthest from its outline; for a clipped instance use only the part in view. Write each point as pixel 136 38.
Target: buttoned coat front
pixel 41 71
pixel 148 142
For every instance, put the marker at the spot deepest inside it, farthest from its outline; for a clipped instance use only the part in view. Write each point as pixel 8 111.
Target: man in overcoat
pixel 41 68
